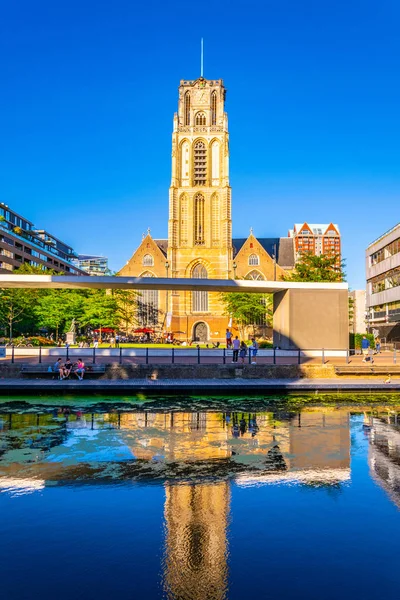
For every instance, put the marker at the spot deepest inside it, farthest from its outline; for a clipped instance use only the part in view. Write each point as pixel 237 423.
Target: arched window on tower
pixel 200 163
pixel 214 108
pixel 200 118
pixel 187 108
pixel 199 234
pixel 254 260
pixel 200 299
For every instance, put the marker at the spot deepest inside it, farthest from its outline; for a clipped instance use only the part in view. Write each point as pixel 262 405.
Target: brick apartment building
pixel 316 239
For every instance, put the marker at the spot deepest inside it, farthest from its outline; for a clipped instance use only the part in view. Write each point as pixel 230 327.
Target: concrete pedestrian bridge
pixel 305 315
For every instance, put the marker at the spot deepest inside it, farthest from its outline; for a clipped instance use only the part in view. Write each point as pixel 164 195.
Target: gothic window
pixel 200 164
pixel 255 275
pixel 254 260
pixel 184 220
pixel 199 238
pixel 148 260
pixel 214 108
pixel 215 162
pixel 187 108
pixel 200 299
pixel 215 218
pixel 147 305
pixel 185 161
pixel 200 118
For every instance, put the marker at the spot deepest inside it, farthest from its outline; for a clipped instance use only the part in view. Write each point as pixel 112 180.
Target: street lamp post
pixel 274 257
pixel 234 265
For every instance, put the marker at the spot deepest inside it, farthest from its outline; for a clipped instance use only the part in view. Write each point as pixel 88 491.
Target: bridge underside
pixel 306 315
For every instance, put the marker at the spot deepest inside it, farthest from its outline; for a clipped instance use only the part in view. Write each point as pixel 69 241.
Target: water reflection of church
pixel 200 453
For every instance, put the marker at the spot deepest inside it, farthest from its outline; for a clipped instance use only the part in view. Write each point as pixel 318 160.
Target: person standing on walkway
pixel 228 337
pixel 117 341
pixel 236 346
pixel 243 351
pixel 365 347
pixel 254 350
pixel 378 345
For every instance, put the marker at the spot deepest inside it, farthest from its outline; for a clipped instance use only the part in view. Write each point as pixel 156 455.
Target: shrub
pixel 39 340
pixel 265 344
pixel 355 340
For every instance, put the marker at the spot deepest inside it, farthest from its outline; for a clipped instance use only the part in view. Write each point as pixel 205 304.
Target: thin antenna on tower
pixel 201 58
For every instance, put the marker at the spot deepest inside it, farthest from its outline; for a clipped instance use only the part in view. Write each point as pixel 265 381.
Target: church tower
pixel 200 226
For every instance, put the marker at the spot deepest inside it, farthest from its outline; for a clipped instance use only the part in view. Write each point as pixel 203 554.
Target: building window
pixel 147 306
pixel 200 299
pixel 148 260
pixel 254 260
pixel 200 164
pixel 255 275
pixel 187 108
pixel 214 108
pixel 200 118
pixel 184 220
pixel 199 238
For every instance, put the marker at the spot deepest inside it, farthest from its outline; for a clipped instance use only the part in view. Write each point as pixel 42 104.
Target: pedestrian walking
pixel 117 341
pixel 242 351
pixel 236 346
pixel 365 348
pixel 378 345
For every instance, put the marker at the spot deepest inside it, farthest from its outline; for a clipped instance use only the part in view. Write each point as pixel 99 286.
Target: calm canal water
pixel 196 500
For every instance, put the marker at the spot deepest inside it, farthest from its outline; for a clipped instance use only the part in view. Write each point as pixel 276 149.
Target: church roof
pixel 163 245
pixel 284 249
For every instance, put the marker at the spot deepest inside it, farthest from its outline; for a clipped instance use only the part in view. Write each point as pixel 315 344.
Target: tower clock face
pixel 200 97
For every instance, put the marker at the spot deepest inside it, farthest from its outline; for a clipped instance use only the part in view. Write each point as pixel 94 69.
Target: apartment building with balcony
pixel 383 284
pixel 21 243
pixel 317 239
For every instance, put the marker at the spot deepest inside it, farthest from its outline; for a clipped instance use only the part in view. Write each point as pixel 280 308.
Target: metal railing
pixel 274 356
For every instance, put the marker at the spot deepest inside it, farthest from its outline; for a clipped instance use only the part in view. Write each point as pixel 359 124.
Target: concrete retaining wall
pixel 115 371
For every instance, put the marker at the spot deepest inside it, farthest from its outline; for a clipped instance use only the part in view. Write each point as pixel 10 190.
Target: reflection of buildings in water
pixel 196 547
pixel 384 452
pixel 312 444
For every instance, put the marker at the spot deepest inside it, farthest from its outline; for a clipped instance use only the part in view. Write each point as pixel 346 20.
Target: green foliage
pixel 100 309
pixel 265 344
pixel 247 309
pixel 355 339
pixel 321 268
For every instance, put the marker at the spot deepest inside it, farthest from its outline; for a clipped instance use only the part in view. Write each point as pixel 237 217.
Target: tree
pixel 247 309
pixel 57 308
pixel 127 305
pixel 317 268
pixel 99 310
pixel 14 305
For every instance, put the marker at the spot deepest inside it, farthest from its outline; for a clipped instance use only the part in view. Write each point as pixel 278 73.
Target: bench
pixel 43 371
pixel 368 370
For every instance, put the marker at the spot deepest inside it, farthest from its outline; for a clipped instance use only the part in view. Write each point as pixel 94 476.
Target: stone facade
pixel 200 241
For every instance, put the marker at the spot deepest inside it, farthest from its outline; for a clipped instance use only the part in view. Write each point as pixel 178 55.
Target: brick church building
pixel 200 243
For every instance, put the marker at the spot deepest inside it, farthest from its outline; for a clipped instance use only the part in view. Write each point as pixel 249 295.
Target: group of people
pixel 240 348
pixel 64 370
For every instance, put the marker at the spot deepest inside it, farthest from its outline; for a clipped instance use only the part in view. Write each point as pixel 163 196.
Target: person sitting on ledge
pixel 67 368
pixel 80 369
pixel 57 368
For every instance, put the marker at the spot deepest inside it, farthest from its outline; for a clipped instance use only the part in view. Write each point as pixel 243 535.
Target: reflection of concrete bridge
pixel 306 315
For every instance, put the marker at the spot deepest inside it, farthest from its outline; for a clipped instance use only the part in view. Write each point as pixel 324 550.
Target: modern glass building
pixel 21 243
pixel 92 264
pixel 383 284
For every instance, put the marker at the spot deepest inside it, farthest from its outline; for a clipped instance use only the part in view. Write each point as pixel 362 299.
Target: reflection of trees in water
pixel 33 431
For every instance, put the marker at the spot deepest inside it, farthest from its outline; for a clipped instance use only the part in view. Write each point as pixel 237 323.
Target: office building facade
pixel 383 284
pixel 92 264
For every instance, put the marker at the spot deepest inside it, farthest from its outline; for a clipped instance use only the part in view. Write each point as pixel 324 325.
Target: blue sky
pixel 88 92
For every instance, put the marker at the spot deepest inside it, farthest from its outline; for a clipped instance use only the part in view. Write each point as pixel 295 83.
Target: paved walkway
pixel 193 386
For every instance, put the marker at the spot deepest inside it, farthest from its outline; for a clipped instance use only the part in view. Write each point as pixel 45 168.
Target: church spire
pixel 201 58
